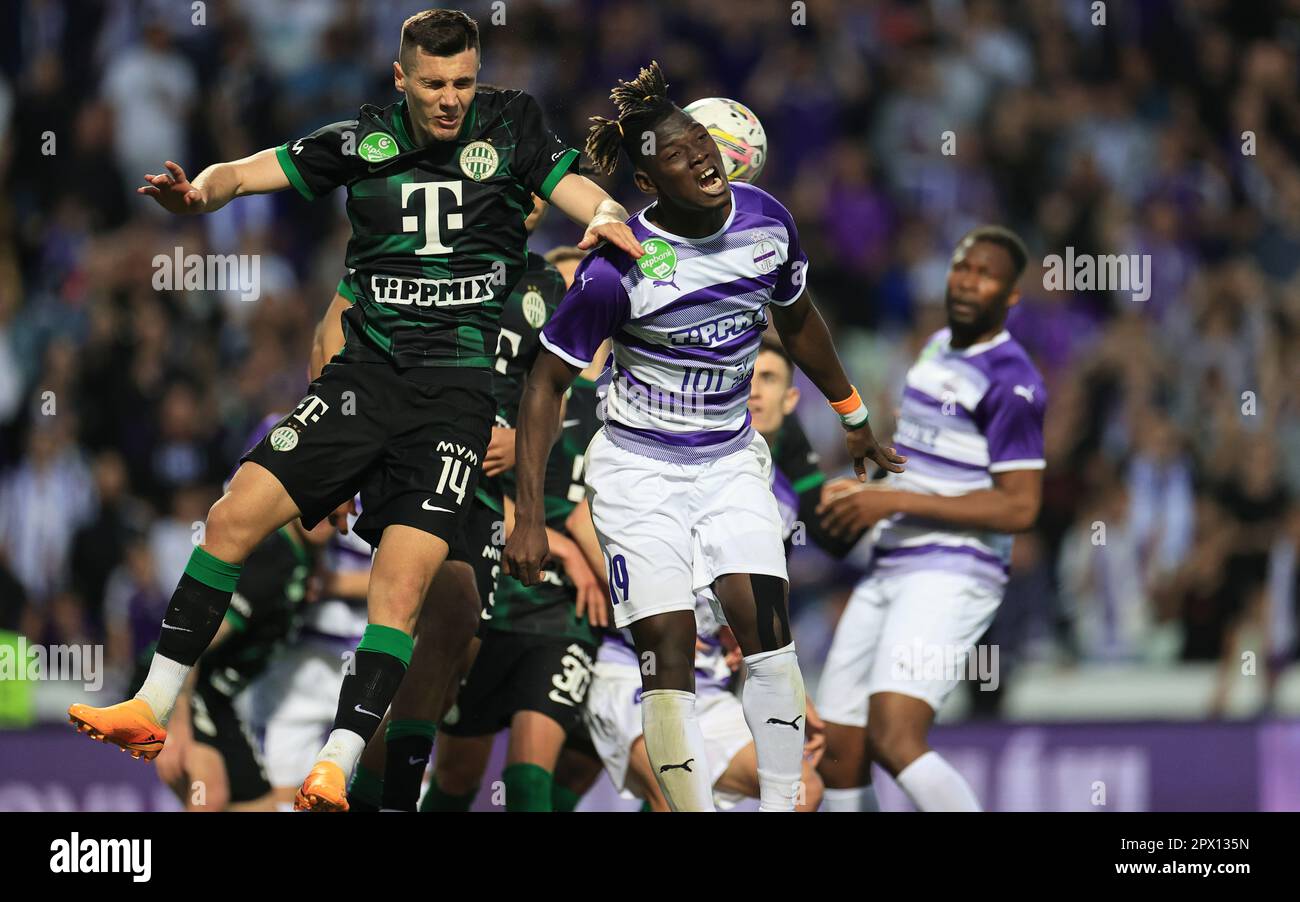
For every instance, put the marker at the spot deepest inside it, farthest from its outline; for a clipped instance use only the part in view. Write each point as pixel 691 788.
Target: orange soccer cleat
pixel 325 789
pixel 130 725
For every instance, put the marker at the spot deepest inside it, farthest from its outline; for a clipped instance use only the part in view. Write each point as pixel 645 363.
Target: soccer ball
pixel 739 134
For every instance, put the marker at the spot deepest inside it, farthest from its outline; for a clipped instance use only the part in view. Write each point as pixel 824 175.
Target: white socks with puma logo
pixel 773 699
pixel 675 745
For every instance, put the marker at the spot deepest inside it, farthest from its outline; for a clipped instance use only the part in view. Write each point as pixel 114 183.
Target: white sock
pixel 673 737
pixel 773 700
pixel 163 685
pixel 344 748
pixel 856 798
pixel 934 785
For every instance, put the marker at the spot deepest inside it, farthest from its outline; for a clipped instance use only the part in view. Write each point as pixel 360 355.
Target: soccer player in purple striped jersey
pixel 971 424
pixel 678 480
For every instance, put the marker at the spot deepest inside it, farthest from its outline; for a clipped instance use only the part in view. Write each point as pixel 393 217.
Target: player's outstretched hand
pixel 339 519
pixel 501 452
pixel 862 447
pixel 173 191
pixel 526 552
pixel 616 233
pixel 846 514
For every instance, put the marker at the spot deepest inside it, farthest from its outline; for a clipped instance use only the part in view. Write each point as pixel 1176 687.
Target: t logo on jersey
pixel 432 194
pixel 309 410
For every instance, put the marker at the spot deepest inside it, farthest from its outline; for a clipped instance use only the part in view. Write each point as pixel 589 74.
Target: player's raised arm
pixel 585 202
pixel 808 342
pixel 217 185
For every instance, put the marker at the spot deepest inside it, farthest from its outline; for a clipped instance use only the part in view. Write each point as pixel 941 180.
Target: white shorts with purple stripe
pixel 668 530
pixel 908 632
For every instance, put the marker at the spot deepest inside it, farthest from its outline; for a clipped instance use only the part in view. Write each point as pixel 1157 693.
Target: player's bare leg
pixel 393 764
pixel 575 773
pixel 845 769
pixel 641 781
pixel 897 726
pixel 535 744
pixel 666 645
pixel 773 697
pixel 459 763
pixel 404 567
pixel 741 776
pixel 208 784
pixel 254 506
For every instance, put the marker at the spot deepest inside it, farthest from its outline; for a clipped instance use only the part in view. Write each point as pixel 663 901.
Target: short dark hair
pixel 770 343
pixel 1005 239
pixel 440 32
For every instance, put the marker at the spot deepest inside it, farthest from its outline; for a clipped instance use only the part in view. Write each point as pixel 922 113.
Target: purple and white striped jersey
pixel 686 321
pixel 966 415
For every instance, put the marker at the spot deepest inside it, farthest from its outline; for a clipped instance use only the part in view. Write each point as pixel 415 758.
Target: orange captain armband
pixel 853 413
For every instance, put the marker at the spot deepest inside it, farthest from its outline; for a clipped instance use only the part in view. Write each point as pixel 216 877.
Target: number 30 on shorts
pixel 616 567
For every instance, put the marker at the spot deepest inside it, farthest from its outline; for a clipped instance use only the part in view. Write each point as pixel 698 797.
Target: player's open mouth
pixel 711 182
pixel 446 121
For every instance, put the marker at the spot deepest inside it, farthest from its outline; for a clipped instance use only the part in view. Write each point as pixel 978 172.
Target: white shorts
pixel 293 704
pixel 668 530
pixel 907 633
pixel 613 718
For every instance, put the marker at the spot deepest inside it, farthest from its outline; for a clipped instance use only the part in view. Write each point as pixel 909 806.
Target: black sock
pixel 408 746
pixel 197 607
pixel 368 691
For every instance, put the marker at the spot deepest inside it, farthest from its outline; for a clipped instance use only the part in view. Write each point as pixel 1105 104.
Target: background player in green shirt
pixel 437 186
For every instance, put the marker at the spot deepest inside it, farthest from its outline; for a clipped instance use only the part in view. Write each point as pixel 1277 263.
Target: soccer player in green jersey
pixel 438 189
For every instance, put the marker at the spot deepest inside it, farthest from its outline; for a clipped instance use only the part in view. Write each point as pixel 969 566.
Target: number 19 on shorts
pixel 616 568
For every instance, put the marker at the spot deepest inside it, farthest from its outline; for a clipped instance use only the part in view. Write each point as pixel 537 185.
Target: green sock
pixel 563 798
pixel 437 800
pixel 645 806
pixel 528 788
pixel 366 790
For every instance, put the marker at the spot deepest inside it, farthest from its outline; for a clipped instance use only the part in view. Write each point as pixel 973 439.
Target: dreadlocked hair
pixel 641 103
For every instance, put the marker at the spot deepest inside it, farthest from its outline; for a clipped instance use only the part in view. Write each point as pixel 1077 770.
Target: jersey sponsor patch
pixel 432 292
pixel 660 259
pixel 377 147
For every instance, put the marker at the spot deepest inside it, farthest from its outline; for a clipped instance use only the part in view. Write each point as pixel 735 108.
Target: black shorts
pixel 522 672
pixel 413 449
pixel 215 723
pixel 479 544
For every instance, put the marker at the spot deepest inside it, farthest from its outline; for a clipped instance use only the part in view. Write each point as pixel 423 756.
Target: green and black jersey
pixel 548 607
pixel 438 240
pixel 271 587
pixel 797 462
pixel 527 309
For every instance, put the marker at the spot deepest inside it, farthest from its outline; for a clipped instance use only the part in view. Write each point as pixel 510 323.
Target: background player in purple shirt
pixel 971 424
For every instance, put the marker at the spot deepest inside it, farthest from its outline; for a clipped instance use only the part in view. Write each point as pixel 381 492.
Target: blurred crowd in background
pixel 1171 519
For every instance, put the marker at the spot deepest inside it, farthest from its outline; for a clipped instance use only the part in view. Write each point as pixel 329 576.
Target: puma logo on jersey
pixel 672 281
pixel 583 279
pixel 458 450
pixel 1025 391
pixel 792 724
pixel 685 765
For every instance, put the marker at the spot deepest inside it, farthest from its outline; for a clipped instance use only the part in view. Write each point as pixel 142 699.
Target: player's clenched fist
pixel 526 551
pixel 173 191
